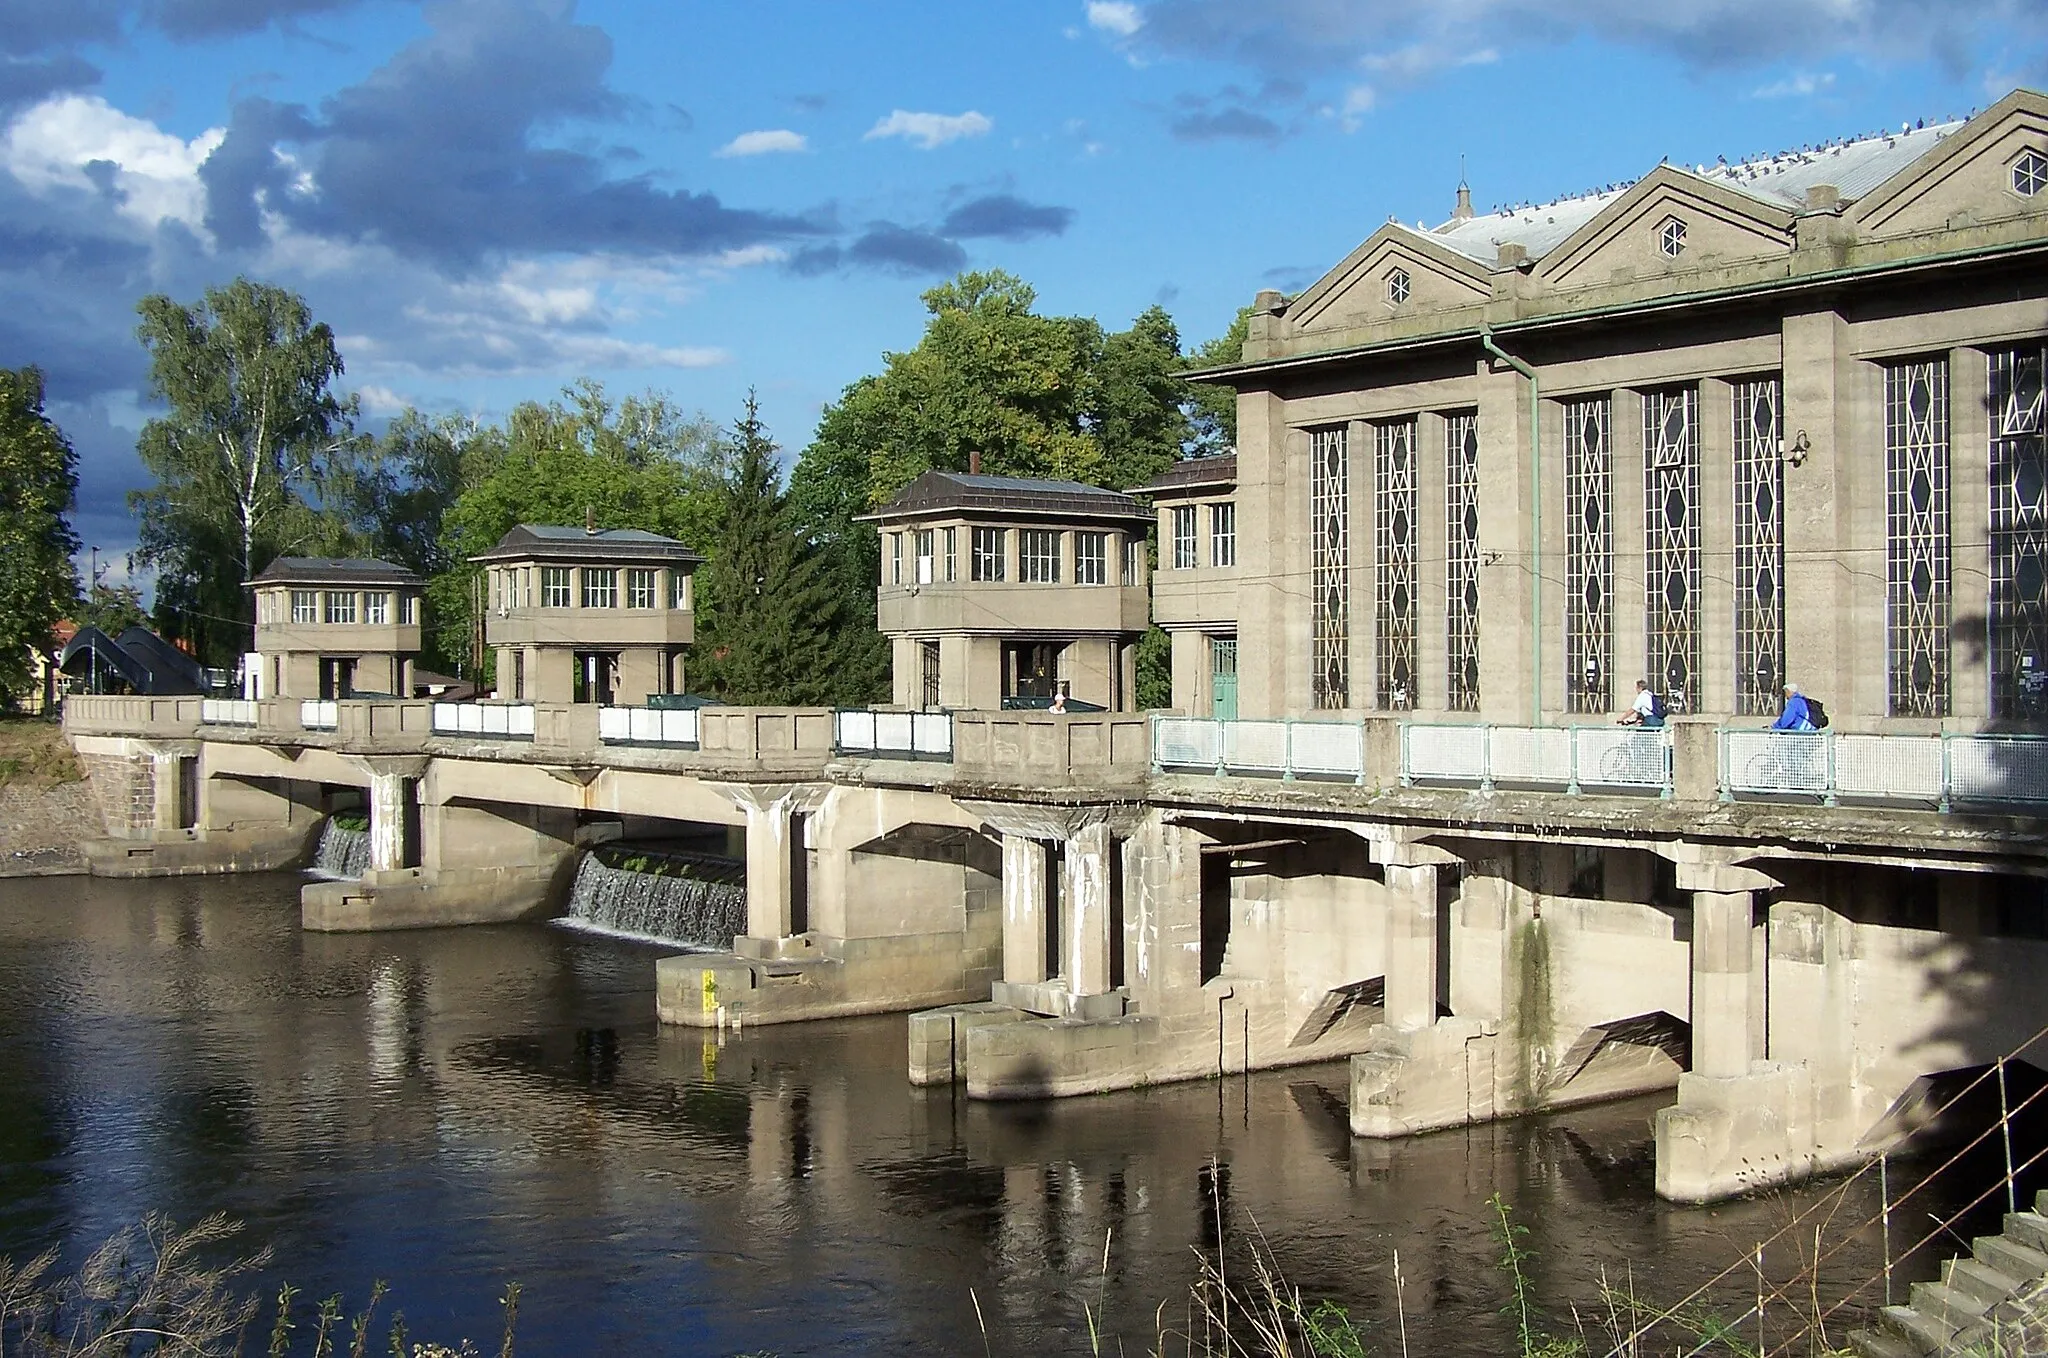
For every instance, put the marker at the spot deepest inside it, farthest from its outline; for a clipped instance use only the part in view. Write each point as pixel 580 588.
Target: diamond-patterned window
pixel 1671 237
pixel 1398 285
pixel 1461 594
pixel 2019 535
pixel 1759 547
pixel 1671 543
pixel 1918 604
pixel 1394 539
pixel 2030 174
pixel 1329 515
pixel 1588 556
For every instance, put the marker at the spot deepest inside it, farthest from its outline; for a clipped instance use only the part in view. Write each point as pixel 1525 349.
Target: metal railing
pixel 1936 770
pixel 502 721
pixel 1568 757
pixel 893 735
pixel 228 711
pixel 319 714
pixel 1287 749
pixel 648 726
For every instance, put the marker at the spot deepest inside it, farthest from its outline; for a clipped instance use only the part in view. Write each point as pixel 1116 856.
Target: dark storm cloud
pixel 438 154
pixel 906 250
pixel 28 27
pixel 1003 216
pixel 24 80
pixel 191 20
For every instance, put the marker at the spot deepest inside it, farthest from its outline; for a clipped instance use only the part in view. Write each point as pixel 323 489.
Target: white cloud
pixel 765 142
pixel 154 173
pixel 1358 101
pixel 1118 17
pixel 929 130
pixel 1798 85
pixel 382 402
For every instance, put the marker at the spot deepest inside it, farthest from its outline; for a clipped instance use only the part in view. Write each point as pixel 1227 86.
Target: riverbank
pixel 47 810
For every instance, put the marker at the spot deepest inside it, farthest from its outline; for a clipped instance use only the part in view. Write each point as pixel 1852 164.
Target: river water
pixel 456 1109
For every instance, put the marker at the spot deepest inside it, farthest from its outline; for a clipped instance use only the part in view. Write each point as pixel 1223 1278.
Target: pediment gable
pixel 1396 272
pixel 1628 237
pixel 1970 177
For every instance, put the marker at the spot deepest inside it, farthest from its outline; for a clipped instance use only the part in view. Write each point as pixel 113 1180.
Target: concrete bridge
pixel 1796 931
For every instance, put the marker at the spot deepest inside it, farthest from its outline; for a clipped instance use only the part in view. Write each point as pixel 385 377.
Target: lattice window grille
pixel 1589 556
pixel 1329 515
pixel 2019 535
pixel 1671 547
pixel 1461 593
pixel 1918 598
pixel 1394 541
pixel 1756 408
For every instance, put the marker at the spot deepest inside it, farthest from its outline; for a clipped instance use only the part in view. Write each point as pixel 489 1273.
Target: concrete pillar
pixel 768 869
pixel 1024 959
pixel 389 793
pixel 1720 982
pixel 1085 912
pixel 165 770
pixel 1411 946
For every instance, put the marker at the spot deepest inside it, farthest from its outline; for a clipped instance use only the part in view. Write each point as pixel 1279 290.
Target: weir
pixel 696 899
pixel 344 852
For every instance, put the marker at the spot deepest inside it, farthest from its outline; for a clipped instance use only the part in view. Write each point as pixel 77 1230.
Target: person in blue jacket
pixel 1795 717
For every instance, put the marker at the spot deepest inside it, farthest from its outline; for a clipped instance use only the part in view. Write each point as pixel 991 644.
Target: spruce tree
pixel 769 617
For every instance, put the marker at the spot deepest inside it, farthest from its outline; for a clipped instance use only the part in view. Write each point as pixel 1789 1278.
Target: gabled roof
pixel 1193 473
pixel 555 542
pixel 333 570
pixel 967 493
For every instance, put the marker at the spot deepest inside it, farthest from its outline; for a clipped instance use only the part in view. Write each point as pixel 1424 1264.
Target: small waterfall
pixel 344 851
pixel 678 898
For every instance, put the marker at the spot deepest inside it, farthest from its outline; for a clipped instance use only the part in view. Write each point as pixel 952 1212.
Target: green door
pixel 1223 678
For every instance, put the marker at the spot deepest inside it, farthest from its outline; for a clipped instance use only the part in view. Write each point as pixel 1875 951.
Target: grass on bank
pixel 34 753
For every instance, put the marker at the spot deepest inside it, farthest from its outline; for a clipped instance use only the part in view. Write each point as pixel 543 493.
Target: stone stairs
pixel 1988 1304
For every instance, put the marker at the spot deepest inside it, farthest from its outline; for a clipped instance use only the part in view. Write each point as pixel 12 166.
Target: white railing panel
pixel 643 723
pixel 931 733
pixel 519 721
pixel 511 721
pixel 1529 754
pixel 893 731
pixel 227 711
pixel 856 730
pixel 1620 756
pixel 1448 752
pixel 318 715
pixel 1896 768
pixel 614 723
pixel 679 727
pixel 1326 748
pixel 1998 769
pixel 1257 746
pixel 1180 741
pixel 1794 762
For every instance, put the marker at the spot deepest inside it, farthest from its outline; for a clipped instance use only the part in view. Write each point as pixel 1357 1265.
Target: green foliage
pixel 1533 1010
pixel 38 482
pixel 1212 409
pixel 249 461
pixel 111 608
pixel 769 618
pixel 1155 670
pixel 640 464
pixel 1515 1258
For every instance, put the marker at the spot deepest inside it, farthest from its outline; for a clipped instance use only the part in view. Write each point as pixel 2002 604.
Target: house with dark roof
pixel 586 615
pixel 1194 593
pixel 1003 589
pixel 333 627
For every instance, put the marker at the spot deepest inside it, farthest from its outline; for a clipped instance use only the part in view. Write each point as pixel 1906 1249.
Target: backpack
pixel 1817 714
pixel 1657 709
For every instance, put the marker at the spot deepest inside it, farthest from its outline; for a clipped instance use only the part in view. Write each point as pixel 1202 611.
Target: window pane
pixel 988 554
pixel 1039 556
pixel 305 606
pixel 554 586
pixel 1759 548
pixel 2019 535
pixel 1461 560
pixel 1183 537
pixel 1394 548
pixel 341 606
pixel 1917 587
pixel 377 609
pixel 639 588
pixel 1223 534
pixel 600 587
pixel 1671 548
pixel 1588 556
pixel 1329 515
pixel 1091 558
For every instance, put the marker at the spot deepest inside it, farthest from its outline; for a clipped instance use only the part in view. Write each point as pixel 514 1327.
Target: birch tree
pixel 243 459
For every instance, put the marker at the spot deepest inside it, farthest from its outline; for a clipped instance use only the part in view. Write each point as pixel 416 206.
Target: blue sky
pixel 489 199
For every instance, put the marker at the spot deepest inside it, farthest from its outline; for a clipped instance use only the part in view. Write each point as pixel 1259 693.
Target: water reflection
pixel 455 1109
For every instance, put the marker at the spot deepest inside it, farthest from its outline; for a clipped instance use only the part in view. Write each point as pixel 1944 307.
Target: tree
pixel 1212 408
pixel 1138 408
pixel 770 627
pixel 38 483
pixel 246 454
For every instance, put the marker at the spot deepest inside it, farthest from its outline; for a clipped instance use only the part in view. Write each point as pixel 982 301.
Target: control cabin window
pixel 925 543
pixel 1091 558
pixel 377 608
pixel 988 554
pixel 600 587
pixel 1038 556
pixel 1184 537
pixel 341 606
pixel 554 586
pixel 1223 533
pixel 305 606
pixel 952 571
pixel 678 588
pixel 640 588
